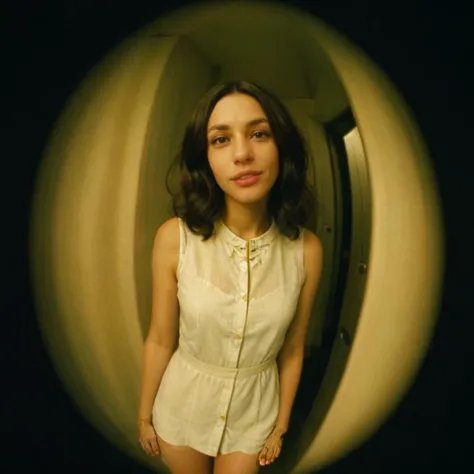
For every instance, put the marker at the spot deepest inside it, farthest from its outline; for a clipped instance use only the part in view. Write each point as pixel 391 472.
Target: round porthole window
pixel 101 196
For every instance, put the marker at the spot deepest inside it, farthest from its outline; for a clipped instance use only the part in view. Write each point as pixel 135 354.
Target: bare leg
pixel 236 463
pixel 184 460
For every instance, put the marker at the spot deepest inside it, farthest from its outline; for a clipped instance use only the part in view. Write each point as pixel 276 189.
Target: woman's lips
pixel 248 180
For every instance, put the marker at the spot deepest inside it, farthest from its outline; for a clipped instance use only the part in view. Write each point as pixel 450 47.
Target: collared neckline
pixel 256 243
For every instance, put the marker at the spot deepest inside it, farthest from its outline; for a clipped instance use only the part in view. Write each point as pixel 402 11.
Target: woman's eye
pixel 261 134
pixel 218 141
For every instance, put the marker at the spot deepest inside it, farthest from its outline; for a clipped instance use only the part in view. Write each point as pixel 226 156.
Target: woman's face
pixel 241 150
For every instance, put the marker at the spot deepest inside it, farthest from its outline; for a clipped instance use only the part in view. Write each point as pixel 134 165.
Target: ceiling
pixel 265 48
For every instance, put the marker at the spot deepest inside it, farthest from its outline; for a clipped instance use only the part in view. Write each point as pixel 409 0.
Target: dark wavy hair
pixel 199 200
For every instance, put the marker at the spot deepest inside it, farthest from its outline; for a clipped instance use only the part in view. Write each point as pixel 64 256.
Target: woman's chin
pixel 248 198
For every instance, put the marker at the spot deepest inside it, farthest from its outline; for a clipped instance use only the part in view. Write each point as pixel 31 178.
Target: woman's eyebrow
pixel 222 126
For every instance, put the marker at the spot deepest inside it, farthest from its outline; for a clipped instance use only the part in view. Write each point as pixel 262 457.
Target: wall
pixel 175 99
pixel 320 176
pixel 99 199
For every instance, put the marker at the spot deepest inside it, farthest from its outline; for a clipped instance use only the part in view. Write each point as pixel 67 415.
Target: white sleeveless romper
pixel 220 391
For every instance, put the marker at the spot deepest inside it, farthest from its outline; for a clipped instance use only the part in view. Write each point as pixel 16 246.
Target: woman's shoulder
pixel 305 236
pixel 311 242
pixel 165 255
pixel 312 251
pixel 170 227
pixel 167 235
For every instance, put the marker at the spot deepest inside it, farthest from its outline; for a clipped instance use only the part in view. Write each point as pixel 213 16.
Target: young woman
pixel 234 278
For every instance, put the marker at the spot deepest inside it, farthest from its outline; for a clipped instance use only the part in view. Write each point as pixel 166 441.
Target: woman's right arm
pixel 162 338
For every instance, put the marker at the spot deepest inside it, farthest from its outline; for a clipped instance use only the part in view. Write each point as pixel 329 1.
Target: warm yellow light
pixel 88 246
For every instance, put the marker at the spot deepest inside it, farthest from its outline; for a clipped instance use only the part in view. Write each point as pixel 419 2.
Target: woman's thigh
pixel 184 460
pixel 236 463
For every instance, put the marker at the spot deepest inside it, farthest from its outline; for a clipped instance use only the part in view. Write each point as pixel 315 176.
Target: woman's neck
pixel 247 222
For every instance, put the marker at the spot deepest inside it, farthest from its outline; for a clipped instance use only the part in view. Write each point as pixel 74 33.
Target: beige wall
pixel 100 197
pixel 405 262
pixel 320 176
pixel 175 99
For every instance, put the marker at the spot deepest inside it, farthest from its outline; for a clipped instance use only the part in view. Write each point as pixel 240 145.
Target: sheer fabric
pixel 220 391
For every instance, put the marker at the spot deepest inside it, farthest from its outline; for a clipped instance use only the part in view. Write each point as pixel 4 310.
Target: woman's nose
pixel 242 150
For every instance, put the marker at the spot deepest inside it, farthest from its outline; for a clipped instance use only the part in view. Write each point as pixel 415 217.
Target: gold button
pixel 244 297
pixel 238 336
pixel 223 417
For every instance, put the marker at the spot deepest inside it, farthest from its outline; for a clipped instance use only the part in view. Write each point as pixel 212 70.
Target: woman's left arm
pixel 290 358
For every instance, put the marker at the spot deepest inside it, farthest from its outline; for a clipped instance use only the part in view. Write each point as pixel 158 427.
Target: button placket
pixel 245 255
pixel 227 395
pixel 239 322
pixel 238 337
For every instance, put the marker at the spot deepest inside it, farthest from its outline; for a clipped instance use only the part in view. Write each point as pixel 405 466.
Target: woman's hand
pixel 272 447
pixel 147 437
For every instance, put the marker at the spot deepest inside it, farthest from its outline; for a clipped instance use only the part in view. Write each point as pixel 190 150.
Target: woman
pixel 234 275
